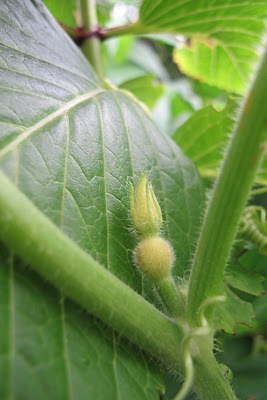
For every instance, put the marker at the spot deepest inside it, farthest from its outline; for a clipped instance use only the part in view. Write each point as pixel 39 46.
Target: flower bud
pixel 154 257
pixel 145 209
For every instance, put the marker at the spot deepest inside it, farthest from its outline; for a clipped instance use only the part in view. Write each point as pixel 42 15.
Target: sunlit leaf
pixel 226 36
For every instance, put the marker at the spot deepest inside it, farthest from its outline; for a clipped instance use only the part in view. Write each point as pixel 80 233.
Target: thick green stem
pixel 58 259
pixel 229 197
pixel 209 382
pixel 92 46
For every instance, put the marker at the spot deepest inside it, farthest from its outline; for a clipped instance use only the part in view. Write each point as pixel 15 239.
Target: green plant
pixel 71 143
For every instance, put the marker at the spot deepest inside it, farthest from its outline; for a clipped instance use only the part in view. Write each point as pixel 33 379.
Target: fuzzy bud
pixel 145 209
pixel 154 257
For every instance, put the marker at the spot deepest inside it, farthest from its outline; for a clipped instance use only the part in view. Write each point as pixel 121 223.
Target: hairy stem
pixel 229 197
pixel 92 46
pixel 171 297
pixel 209 382
pixel 59 260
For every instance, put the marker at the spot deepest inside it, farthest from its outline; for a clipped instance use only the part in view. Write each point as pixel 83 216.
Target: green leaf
pixel 250 377
pixel 233 312
pixel 118 49
pixel 226 66
pixel 249 369
pixel 239 278
pixel 65 11
pixel 145 88
pixel 146 57
pixel 203 136
pixel 143 60
pixel 226 35
pixel 71 147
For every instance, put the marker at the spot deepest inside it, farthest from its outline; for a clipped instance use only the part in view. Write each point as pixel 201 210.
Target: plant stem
pixel 92 46
pixel 229 197
pixel 171 297
pixel 129 29
pixel 209 382
pixel 59 260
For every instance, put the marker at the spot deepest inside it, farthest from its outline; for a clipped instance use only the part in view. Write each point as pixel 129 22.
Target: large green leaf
pixel 226 35
pixel 71 147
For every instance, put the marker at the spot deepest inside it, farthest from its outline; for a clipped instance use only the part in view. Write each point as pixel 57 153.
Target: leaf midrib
pixel 40 124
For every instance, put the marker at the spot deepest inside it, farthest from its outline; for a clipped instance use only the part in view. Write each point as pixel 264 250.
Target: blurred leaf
pixel 119 48
pixel 260 307
pixel 179 104
pixel 250 378
pixel 141 60
pixel 146 57
pixel 164 38
pixel 240 278
pixel 203 136
pixel 249 370
pixel 233 312
pixel 104 10
pixel 162 114
pixel 176 106
pixel 66 11
pixel 145 88
pixel 184 88
pixel 226 36
pixel 117 74
pixel 210 94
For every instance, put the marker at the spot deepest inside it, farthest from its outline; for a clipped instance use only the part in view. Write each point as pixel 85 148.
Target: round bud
pixel 154 257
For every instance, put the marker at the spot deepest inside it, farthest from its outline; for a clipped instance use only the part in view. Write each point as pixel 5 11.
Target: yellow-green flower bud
pixel 154 257
pixel 145 209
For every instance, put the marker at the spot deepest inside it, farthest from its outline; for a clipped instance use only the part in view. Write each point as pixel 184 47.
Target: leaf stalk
pixel 238 171
pixel 92 47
